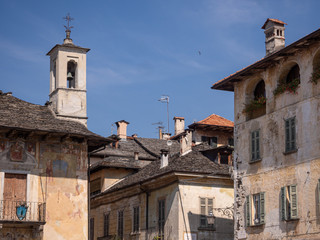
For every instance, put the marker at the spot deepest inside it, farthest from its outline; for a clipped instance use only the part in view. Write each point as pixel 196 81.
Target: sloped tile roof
pixel 272 20
pixel 216 120
pixel 193 162
pixel 21 115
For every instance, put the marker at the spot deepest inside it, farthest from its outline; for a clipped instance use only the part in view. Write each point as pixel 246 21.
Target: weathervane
pixel 68 27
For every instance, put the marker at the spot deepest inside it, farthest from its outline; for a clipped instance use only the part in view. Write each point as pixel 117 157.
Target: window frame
pixel 106 224
pixel 136 219
pixel 290 135
pixel 255 146
pixel 255 214
pixel 205 209
pixel 289 203
pixel 120 224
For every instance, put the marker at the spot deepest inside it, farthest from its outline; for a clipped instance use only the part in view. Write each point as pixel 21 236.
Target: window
pixel 71 74
pixel 120 224
pixel 91 228
pixel 294 74
pixel 95 186
pixel 230 142
pixel 161 217
pixel 255 210
pixel 290 133
pixel 206 208
pixel 212 141
pixel 136 219
pixel 106 221
pixel 289 203
pixel 255 145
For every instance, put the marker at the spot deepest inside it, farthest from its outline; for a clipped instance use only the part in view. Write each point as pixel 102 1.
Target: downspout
pixel 147 214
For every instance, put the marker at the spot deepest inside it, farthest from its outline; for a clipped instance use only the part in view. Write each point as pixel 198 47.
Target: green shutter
pixel 262 208
pixel 283 204
pixel 253 149
pixel 319 191
pixel 248 210
pixel 287 134
pixel 257 145
pixel 293 201
pixel 293 134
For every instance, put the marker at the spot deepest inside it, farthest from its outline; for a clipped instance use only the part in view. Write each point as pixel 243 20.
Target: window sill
pixel 291 220
pixel 257 225
pixel 291 151
pixel 254 161
pixel 207 228
pixel 134 233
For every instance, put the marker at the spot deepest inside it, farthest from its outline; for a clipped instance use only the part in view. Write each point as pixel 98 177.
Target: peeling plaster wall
pixel 276 169
pixel 57 175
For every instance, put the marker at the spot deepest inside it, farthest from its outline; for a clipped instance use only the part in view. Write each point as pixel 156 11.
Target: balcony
pixel 22 212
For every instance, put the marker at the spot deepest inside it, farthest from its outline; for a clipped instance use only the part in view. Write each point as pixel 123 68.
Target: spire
pixel 68 19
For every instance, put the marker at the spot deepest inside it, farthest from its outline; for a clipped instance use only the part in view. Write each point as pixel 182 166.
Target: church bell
pixel 69 76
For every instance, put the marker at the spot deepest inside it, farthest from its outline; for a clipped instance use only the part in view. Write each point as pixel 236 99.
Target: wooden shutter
pixel 283 203
pixel 248 210
pixel 262 207
pixel 106 224
pixel 319 191
pixel 293 134
pixel 253 148
pixel 287 134
pixel 293 202
pixel 257 145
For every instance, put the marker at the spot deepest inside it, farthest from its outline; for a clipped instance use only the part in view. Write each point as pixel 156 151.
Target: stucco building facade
pixel 277 158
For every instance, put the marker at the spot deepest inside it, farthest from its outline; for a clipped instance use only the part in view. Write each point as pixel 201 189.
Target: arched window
pixel 260 90
pixel 71 74
pixel 294 74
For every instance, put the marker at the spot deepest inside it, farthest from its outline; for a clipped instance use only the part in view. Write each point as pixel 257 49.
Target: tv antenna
pixel 160 127
pixel 165 99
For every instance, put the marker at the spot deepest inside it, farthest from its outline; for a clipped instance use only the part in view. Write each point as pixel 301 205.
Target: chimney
pixel 160 133
pixel 164 158
pixel 186 143
pixel 274 31
pixel 178 125
pixel 136 155
pixel 122 129
pixel 166 136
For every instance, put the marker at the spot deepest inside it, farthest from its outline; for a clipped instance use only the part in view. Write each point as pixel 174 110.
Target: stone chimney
pixel 164 160
pixel 186 143
pixel 178 125
pixel 166 136
pixel 122 129
pixel 274 31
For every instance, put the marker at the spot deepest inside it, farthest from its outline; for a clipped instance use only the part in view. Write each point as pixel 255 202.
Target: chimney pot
pixel 164 160
pixel 122 129
pixel 178 125
pixel 274 32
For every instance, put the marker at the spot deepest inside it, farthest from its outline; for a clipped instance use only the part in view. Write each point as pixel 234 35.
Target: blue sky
pixel 143 49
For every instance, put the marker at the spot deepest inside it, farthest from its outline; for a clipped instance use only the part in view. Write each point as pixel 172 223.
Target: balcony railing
pixel 22 211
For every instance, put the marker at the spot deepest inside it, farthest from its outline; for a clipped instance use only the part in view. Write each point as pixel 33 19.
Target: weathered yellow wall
pixel 277 169
pixel 57 175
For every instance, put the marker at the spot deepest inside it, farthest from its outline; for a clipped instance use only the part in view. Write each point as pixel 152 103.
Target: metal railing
pixel 22 211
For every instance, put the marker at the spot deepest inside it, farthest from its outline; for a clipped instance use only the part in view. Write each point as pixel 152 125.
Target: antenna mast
pixel 165 99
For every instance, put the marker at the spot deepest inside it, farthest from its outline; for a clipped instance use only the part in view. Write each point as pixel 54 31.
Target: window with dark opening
pixel 260 90
pixel 294 74
pixel 71 74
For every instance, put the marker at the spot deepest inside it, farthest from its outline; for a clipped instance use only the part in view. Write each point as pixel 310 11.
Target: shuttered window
pixel 255 145
pixel 106 222
pixel 136 219
pixel 255 209
pixel 206 209
pixel 290 134
pixel 289 202
pixel 120 224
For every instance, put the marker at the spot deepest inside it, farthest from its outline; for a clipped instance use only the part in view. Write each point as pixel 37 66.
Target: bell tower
pixel 68 90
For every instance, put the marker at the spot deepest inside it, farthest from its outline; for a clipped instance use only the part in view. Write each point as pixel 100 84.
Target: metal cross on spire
pixel 68 19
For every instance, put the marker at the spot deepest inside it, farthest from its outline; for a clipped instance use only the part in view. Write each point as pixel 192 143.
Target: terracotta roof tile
pixel 217 121
pixel 272 20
